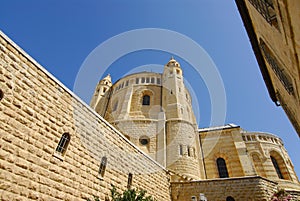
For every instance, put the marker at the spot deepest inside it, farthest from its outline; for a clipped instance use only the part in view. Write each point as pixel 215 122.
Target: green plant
pixel 127 195
pixel 130 195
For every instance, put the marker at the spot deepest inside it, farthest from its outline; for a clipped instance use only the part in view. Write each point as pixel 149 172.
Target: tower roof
pixel 106 80
pixel 173 63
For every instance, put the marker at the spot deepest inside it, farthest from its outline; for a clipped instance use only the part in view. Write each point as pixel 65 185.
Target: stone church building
pixel 139 132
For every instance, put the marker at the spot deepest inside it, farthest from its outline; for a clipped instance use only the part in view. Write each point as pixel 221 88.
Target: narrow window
pixel 266 9
pixel 143 80
pixel 223 173
pixel 152 80
pixel 276 166
pixel 147 80
pixel 136 80
pixel 158 80
pixel 189 151
pixel 146 100
pixel 129 181
pixel 284 78
pixel 122 85
pixel 229 198
pixel 115 106
pixel 102 166
pixel 104 90
pixel 1 94
pixel 63 143
pixel 127 82
pixel 180 150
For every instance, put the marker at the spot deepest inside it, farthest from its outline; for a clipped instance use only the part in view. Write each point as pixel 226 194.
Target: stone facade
pixel 240 188
pixel 55 147
pixel 35 111
pixel 274 31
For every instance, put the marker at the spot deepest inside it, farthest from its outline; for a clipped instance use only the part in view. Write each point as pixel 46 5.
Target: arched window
pixel 129 181
pixel 276 166
pixel 115 106
pixel 102 166
pixel 223 173
pixel 146 100
pixel 180 150
pixel 229 198
pixel 1 94
pixel 63 143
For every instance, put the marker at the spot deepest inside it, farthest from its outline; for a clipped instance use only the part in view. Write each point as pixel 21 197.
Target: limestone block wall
pixel 182 148
pixel 35 111
pixel 245 188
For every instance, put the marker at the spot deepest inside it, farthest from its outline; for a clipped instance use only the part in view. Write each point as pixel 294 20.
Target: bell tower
pixel 182 142
pixel 101 95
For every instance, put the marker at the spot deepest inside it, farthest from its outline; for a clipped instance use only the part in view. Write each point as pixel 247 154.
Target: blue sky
pixel 61 34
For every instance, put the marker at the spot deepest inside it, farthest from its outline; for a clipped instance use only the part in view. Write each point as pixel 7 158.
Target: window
pixel 146 100
pixel 102 167
pixel 158 80
pixel 180 150
pixel 147 80
pixel 266 9
pixel 136 80
pixel 63 144
pixel 104 90
pixel 277 68
pixel 152 80
pixel 127 82
pixel 129 181
pixel 229 198
pixel 189 151
pixel 223 173
pixel 143 80
pixel 1 94
pixel 276 166
pixel 144 140
pixel 115 106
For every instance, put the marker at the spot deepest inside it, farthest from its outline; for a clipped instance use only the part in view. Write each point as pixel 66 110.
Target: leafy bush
pixel 127 195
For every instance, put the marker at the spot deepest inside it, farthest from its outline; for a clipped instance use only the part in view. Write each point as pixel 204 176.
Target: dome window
pixel 146 100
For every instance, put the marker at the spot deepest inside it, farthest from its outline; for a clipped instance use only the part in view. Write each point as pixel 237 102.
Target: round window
pixel 144 141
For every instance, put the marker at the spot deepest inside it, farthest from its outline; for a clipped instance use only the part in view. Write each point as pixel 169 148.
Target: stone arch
pixel 222 167
pixel 258 164
pixel 136 104
pixel 226 159
pixel 279 165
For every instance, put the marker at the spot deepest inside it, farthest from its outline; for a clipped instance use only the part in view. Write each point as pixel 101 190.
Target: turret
pixel 181 129
pixel 101 95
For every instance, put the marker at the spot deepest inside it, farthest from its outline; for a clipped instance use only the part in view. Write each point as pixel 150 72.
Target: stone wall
pixel 243 188
pixel 35 111
pixel 281 41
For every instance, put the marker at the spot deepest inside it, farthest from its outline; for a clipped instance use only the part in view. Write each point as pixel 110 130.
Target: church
pixel 139 132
